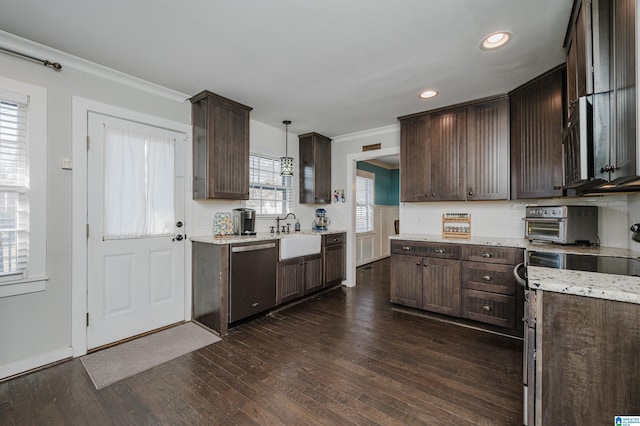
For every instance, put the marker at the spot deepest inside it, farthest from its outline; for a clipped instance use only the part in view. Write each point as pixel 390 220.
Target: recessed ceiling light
pixel 428 94
pixel 495 40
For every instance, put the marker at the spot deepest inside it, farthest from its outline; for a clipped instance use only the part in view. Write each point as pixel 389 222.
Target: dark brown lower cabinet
pixel 333 254
pixel 297 277
pixel 406 280
pixel 458 280
pixel 587 360
pixel 441 286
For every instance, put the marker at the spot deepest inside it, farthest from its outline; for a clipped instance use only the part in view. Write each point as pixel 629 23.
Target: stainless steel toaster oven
pixel 562 224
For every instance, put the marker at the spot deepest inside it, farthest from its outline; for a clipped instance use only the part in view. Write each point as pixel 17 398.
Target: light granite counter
pixel 260 236
pixel 591 284
pixel 481 241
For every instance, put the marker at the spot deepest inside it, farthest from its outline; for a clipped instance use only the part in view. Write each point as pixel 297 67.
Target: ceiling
pixel 332 66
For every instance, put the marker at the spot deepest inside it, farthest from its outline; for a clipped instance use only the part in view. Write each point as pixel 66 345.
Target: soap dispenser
pixel 297 225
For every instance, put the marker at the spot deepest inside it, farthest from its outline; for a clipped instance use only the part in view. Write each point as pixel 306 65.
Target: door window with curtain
pixel 138 172
pixel 365 201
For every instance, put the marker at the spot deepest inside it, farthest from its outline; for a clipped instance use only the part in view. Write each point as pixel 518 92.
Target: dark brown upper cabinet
pixel 456 153
pixel 314 169
pixel 536 136
pixel 220 147
pixel 447 136
pixel 601 65
pixel 415 174
pixel 488 150
pixel 622 149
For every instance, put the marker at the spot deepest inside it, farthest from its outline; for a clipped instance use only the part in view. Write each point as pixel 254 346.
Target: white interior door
pixel 135 244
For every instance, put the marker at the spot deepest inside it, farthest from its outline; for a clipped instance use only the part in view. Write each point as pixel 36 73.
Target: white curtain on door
pixel 139 184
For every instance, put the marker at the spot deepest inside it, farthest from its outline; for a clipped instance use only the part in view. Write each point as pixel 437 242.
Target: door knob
pixel 179 224
pixel 178 237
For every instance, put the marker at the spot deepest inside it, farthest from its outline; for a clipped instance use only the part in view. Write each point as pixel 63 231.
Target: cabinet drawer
pixel 504 255
pixel 488 277
pixel 333 239
pixel 490 308
pixel 417 248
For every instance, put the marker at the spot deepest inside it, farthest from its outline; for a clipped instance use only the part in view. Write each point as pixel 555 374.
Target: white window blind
pixel 365 184
pixel 14 187
pixel 269 193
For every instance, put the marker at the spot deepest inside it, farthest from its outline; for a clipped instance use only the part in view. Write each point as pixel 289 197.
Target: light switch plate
pixel 66 164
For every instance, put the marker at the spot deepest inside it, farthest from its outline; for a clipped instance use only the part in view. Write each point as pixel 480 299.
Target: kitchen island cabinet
pixel 220 147
pixel 583 345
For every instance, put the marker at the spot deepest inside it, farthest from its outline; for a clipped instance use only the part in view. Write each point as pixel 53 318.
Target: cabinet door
pixel 536 137
pixel 220 147
pixel 441 286
pixel 623 150
pixel 488 150
pixel 290 279
pixel 414 173
pixel 334 267
pixel 447 139
pixel 314 171
pixel 312 273
pixel 322 147
pixel 406 280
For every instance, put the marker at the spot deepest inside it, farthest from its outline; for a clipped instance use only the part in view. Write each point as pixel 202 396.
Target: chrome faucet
pixel 278 219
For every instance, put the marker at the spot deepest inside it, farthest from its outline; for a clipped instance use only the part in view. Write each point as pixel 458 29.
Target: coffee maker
pixel 320 224
pixel 244 221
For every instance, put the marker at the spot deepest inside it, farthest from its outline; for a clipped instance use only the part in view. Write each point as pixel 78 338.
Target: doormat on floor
pixel 118 362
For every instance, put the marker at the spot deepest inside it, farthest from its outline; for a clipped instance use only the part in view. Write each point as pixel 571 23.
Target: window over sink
pixel 269 193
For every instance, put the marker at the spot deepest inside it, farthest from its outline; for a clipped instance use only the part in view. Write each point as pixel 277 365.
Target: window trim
pixel 35 277
pixel 372 177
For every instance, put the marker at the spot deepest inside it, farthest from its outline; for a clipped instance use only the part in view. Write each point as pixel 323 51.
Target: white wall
pixel 35 328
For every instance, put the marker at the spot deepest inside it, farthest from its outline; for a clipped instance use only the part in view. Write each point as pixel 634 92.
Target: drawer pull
pixel 486 308
pixel 406 248
pixel 486 254
pixel 439 251
pixel 487 277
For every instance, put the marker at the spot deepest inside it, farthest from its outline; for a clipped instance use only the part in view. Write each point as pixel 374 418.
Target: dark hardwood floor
pixel 342 358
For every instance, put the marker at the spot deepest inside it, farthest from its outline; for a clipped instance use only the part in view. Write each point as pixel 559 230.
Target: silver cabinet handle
pixel 406 248
pixel 486 254
pixel 440 251
pixel 487 277
pixel 486 308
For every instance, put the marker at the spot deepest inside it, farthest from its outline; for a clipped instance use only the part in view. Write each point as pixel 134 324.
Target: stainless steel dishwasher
pixel 252 283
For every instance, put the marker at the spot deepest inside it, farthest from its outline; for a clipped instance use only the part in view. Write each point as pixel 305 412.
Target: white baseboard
pixel 23 365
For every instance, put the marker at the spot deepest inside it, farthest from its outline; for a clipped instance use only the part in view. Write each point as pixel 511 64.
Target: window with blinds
pixel 365 201
pixel 14 188
pixel 269 193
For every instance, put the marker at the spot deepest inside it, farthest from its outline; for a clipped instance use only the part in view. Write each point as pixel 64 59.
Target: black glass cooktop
pixel 582 262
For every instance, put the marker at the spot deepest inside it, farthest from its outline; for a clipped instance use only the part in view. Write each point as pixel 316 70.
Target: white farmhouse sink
pixel 296 245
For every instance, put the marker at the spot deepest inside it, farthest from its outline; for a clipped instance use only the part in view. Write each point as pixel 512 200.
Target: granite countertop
pixel 586 250
pixel 481 241
pixel 591 284
pixel 260 236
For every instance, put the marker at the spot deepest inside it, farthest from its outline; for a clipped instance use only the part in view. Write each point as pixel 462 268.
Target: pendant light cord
pixel 286 137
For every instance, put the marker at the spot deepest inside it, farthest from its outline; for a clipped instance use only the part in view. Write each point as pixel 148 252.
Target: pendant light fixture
pixel 286 162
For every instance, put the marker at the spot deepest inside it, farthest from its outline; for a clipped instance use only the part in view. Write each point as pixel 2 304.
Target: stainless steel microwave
pixel 562 224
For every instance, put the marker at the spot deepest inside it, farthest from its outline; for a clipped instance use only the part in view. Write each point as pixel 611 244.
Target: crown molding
pixel 394 128
pixel 32 48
